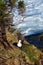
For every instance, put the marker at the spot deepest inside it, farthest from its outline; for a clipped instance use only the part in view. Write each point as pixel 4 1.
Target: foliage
pixel 13 2
pixel 26 54
pixel 21 4
pixel 2 9
pixel 2 5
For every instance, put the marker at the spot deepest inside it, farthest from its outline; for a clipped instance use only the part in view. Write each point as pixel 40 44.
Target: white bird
pixel 19 44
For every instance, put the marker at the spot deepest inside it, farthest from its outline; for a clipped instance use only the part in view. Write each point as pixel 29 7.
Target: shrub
pixel 21 4
pixel 13 2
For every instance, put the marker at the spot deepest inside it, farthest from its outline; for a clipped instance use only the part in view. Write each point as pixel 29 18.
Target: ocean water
pixel 31 22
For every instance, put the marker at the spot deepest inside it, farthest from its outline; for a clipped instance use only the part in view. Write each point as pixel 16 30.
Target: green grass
pixel 32 52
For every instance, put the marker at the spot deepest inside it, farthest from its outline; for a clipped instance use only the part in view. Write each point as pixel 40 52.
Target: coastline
pixel 36 39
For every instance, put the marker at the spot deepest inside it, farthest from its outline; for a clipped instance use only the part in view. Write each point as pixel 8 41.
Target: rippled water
pixel 32 20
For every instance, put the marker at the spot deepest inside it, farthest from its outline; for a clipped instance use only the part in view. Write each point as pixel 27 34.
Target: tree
pixel 4 20
pixel 21 4
pixel 13 2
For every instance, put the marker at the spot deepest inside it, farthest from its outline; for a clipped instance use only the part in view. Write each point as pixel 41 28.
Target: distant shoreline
pixel 36 39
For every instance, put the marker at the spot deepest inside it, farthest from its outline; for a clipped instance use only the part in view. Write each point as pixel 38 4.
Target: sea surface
pixel 31 21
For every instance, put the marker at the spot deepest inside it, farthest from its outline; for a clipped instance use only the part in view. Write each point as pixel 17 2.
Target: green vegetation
pixel 2 5
pixel 4 15
pixel 32 52
pixel 13 2
pixel 2 8
pixel 21 7
pixel 21 4
pixel 27 54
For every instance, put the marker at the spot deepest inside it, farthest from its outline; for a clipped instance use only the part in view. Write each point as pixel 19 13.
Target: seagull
pixel 19 44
